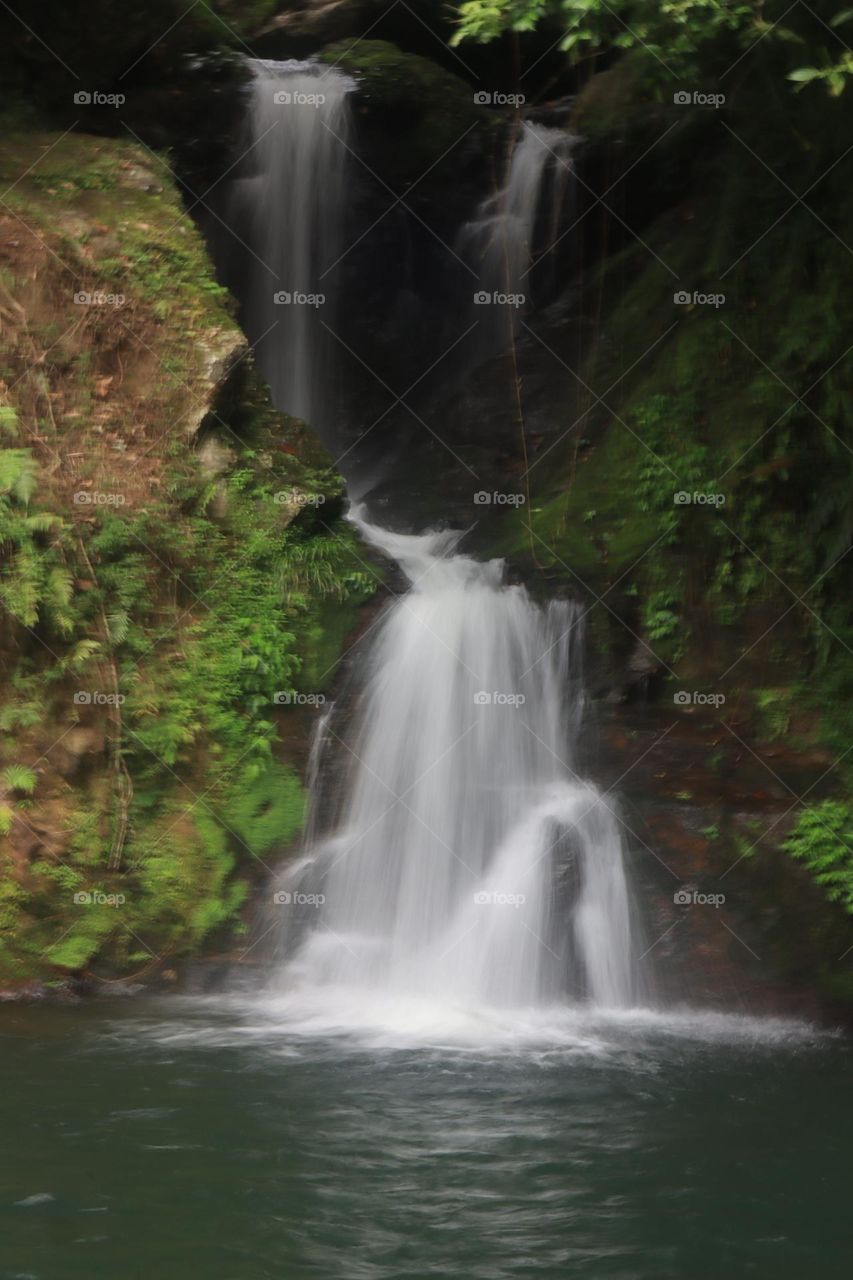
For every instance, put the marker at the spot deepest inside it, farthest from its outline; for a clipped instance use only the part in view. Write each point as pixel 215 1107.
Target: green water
pixel 171 1139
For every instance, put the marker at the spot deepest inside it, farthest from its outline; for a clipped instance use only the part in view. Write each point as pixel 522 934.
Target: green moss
pixel 198 597
pixel 430 107
pixel 107 201
pixel 269 812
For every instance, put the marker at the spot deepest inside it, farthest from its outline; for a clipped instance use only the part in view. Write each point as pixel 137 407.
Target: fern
pixel 823 839
pixel 18 472
pixel 8 421
pixel 58 592
pixel 82 653
pixel 118 625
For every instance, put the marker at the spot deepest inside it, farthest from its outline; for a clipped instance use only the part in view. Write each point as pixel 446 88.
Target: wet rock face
pixel 305 25
pixel 317 21
pixel 729 920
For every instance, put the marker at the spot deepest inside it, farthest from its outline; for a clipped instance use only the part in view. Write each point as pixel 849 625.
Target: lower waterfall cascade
pixel 467 864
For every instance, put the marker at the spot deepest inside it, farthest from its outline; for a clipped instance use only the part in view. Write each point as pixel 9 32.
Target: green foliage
pixel 672 32
pixel 35 582
pixel 198 671
pixel 660 616
pixel 183 871
pixel 774 712
pixel 197 610
pixel 8 421
pixel 834 67
pixel 680 37
pixel 268 812
pixel 19 778
pixel 822 839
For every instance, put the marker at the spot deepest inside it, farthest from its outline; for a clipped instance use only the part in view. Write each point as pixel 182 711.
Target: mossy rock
pixel 411 96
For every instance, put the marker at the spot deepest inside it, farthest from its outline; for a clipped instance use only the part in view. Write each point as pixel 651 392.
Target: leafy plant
pixel 674 33
pixel 19 778
pixel 822 839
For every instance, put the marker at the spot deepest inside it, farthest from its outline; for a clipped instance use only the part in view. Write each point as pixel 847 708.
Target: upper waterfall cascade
pixel 291 205
pixel 515 228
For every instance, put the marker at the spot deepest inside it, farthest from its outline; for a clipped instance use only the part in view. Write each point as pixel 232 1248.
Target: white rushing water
pixel 292 209
pixel 515 227
pixel 468 868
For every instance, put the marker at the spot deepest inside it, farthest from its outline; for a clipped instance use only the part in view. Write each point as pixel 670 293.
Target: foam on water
pixel 303 1021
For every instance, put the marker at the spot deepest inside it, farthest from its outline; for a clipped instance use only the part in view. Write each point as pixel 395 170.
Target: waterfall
pixel 460 862
pixel 515 227
pixel 290 207
pixel 466 864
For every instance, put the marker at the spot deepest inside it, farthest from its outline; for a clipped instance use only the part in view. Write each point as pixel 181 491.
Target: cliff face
pixel 174 577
